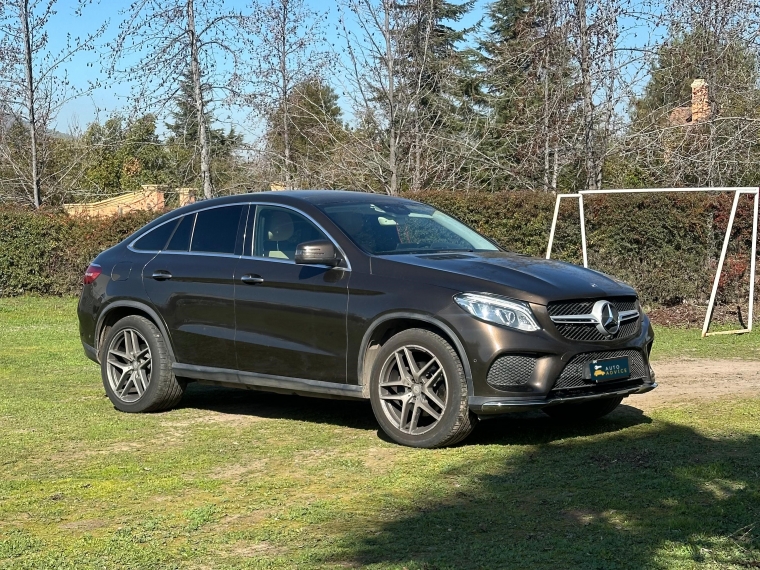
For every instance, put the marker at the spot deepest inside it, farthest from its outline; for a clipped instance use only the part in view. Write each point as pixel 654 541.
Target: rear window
pixel 216 230
pixel 156 238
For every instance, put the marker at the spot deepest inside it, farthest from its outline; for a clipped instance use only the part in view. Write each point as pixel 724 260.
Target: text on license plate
pixel 608 369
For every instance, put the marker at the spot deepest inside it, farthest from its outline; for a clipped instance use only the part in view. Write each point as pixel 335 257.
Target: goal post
pixel 738 192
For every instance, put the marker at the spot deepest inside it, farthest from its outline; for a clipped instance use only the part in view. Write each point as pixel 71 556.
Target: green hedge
pixel 666 245
pixel 47 252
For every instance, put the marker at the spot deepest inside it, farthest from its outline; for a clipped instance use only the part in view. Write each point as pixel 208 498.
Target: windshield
pixel 389 228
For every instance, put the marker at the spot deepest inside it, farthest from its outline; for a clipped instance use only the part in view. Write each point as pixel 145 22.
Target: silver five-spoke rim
pixel 413 389
pixel 129 365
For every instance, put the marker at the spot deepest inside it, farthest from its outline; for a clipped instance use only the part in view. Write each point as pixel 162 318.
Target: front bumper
pixel 554 377
pixel 490 405
pixel 90 352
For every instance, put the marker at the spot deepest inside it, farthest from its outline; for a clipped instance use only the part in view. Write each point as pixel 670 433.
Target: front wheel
pixel 419 391
pixel 584 411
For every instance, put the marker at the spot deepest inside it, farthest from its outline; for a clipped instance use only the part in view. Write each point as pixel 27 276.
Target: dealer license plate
pixel 608 369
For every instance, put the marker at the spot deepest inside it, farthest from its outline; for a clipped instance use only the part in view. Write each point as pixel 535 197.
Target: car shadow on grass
pixel 356 414
pixel 527 428
pixel 657 496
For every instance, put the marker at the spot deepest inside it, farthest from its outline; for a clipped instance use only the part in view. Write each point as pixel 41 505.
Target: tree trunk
pixel 393 166
pixel 545 122
pixel 198 88
pixel 30 102
pixel 588 101
pixel 284 93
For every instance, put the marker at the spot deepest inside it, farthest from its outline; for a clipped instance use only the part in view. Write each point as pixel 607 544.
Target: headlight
pixel 505 312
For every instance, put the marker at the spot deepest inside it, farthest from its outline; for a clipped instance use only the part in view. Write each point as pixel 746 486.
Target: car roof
pixel 316 197
pixel 287 197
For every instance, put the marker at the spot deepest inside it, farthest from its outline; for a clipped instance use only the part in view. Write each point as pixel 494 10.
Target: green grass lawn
pixel 236 479
pixel 688 343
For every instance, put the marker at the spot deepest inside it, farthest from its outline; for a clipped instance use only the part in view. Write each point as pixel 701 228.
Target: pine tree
pixel 315 131
pixel 526 88
pixel 184 140
pixel 433 70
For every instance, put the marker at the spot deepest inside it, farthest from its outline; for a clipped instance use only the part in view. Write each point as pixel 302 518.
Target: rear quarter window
pixel 156 238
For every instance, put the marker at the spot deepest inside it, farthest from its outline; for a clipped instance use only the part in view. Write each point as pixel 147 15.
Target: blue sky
pixel 112 97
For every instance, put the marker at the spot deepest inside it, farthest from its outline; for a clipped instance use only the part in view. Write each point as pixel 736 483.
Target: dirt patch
pixel 690 380
pixel 258 549
pixel 380 459
pixel 693 316
pixel 238 472
pixel 237 417
pixel 85 525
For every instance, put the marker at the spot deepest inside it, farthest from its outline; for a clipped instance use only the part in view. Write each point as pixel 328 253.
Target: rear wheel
pixel 419 391
pixel 584 411
pixel 137 369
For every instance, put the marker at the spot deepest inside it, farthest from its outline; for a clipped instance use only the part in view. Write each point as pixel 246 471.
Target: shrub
pixel 47 252
pixel 665 245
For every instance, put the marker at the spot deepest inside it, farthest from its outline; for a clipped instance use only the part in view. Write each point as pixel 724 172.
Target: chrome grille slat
pixel 587 332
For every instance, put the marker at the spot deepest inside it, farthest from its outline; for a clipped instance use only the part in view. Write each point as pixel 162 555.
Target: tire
pixel 440 388
pixel 144 383
pixel 583 412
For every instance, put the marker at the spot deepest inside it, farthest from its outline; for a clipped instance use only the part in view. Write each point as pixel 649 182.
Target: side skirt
pixel 266 382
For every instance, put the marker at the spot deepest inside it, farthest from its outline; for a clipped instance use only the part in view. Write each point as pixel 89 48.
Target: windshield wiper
pixel 417 251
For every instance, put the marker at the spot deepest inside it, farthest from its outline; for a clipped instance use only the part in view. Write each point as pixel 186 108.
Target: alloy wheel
pixel 129 365
pixel 413 389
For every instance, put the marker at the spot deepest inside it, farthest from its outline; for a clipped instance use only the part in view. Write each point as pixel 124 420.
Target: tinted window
pixel 216 230
pixel 404 227
pixel 279 231
pixel 181 239
pixel 156 238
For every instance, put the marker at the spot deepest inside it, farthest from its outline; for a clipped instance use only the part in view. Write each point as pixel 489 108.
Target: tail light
pixel 92 273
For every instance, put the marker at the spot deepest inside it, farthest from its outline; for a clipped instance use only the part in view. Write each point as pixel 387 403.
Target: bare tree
pixel 159 40
pixel 697 120
pixel 284 50
pixel 34 87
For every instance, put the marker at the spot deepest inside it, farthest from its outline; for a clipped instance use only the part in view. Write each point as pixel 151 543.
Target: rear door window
pixel 216 229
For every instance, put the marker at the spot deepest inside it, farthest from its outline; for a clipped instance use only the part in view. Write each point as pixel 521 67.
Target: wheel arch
pixel 390 324
pixel 117 310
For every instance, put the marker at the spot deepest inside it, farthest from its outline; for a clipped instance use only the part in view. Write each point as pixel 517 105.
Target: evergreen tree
pixel 730 69
pixel 124 155
pixel 434 69
pixel 315 132
pixel 184 140
pixel 526 87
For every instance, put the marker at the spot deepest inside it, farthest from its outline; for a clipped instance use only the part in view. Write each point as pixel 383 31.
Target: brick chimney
pixel 700 101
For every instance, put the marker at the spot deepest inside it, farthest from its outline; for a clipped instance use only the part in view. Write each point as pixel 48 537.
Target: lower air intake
pixel 511 370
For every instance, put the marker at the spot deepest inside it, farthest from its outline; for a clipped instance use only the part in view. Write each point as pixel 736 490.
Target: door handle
pixel 251 279
pixel 161 275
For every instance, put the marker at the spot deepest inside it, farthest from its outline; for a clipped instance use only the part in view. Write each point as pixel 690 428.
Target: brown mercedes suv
pixel 352 295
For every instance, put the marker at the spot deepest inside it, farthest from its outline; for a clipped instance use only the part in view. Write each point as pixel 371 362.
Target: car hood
pixel 531 279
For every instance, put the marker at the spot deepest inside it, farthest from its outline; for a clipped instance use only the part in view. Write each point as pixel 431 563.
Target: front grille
pixel 584 307
pixel 584 332
pixel 572 375
pixel 511 370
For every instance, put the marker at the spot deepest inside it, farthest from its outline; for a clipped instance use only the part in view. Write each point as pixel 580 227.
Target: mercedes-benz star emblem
pixel 607 317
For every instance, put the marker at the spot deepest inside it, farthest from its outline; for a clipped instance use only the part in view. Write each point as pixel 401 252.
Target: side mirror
pixel 319 252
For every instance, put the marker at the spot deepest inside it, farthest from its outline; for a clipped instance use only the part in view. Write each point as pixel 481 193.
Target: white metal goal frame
pixel 738 191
